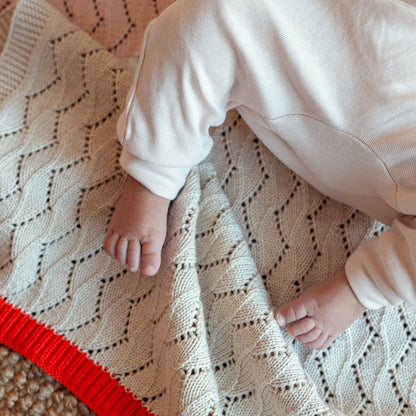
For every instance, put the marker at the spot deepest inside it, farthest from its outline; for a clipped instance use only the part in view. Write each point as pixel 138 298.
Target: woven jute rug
pixel 245 234
pixel 27 390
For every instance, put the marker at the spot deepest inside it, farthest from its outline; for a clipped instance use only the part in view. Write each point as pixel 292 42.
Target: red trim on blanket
pixel 66 363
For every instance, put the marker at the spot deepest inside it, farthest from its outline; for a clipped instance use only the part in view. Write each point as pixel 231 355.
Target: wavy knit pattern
pixel 244 235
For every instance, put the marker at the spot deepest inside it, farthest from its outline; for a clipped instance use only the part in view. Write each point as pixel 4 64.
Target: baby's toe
pixel 309 337
pixel 290 313
pixel 110 243
pixel 133 255
pixel 150 257
pixel 150 263
pixel 322 342
pixel 302 327
pixel 121 249
pixel 327 343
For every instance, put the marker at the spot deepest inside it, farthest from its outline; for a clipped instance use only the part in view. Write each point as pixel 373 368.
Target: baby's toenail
pixel 148 268
pixel 280 320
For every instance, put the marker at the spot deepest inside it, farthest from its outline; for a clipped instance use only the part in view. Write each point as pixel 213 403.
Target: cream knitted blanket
pixel 244 235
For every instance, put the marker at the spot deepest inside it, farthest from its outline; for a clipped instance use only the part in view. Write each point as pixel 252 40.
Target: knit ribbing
pixel 30 19
pixel 5 20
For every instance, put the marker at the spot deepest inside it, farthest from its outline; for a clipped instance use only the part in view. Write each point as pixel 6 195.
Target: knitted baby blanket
pixel 245 234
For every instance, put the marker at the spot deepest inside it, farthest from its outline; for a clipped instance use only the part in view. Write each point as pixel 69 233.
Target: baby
pixel 330 89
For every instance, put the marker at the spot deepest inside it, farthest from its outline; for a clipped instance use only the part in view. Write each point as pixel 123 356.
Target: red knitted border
pixel 67 364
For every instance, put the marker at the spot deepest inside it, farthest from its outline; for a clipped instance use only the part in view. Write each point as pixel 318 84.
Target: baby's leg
pixel 137 229
pixel 321 313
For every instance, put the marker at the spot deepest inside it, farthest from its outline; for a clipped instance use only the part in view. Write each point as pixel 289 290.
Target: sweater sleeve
pixel 382 271
pixel 181 88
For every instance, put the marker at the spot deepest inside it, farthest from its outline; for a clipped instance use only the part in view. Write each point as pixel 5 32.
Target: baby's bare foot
pixel 321 313
pixel 137 229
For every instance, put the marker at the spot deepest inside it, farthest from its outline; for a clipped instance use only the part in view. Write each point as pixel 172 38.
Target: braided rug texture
pixel 244 235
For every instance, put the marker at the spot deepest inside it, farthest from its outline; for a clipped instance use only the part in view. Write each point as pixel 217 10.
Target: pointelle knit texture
pixel 245 234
